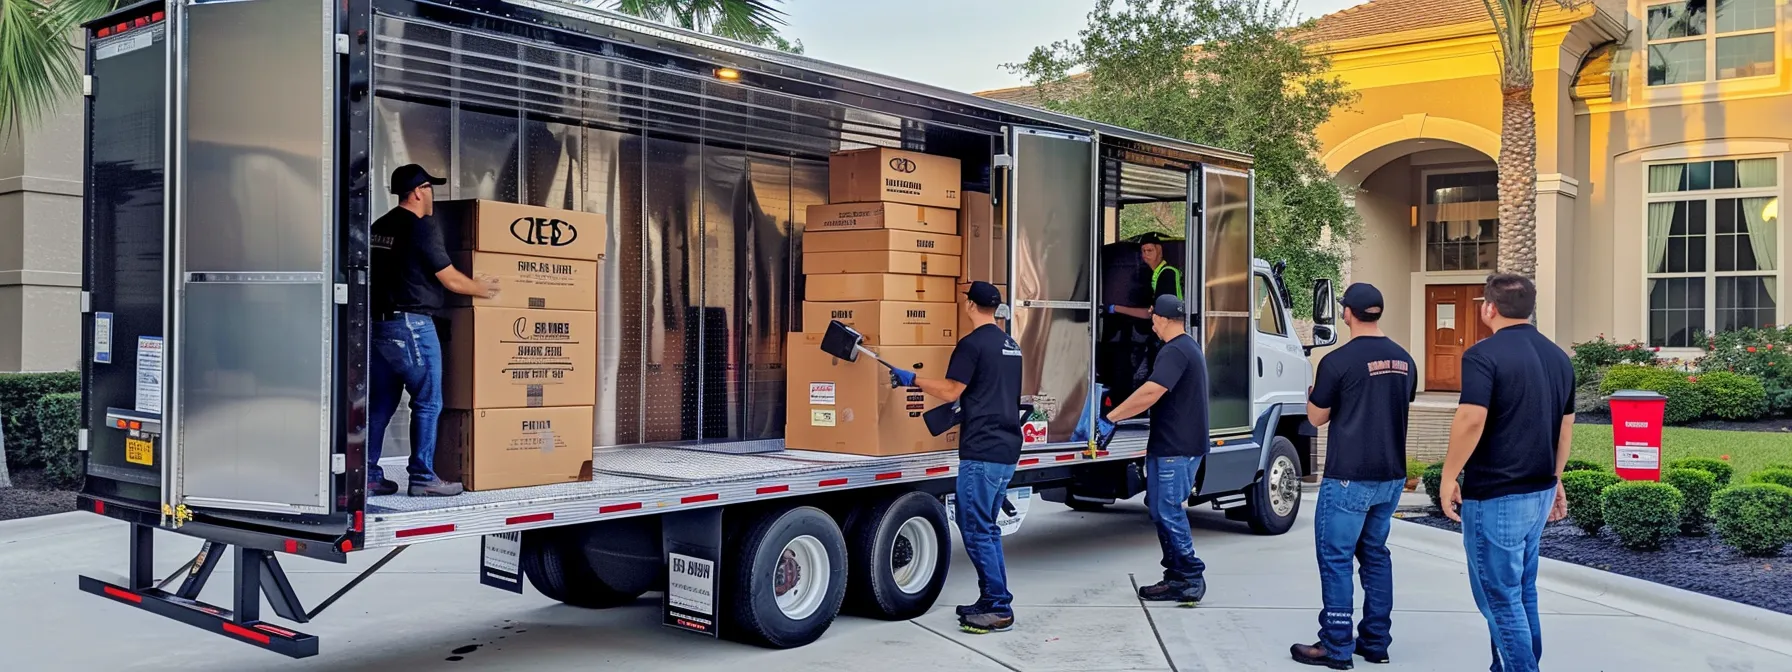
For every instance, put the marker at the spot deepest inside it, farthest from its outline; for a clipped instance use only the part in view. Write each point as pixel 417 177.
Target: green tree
pixel 1515 24
pixel 1222 73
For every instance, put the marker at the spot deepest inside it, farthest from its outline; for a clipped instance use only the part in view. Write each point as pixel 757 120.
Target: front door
pixel 1452 324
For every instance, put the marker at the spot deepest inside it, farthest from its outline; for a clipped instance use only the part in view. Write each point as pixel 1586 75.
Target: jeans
pixel 981 489
pixel 407 356
pixel 1169 481
pixel 1353 520
pixel 1502 537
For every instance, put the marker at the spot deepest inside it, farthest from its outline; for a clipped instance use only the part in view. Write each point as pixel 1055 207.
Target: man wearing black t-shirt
pixel 1177 397
pixel 984 379
pixel 1364 390
pixel 1509 443
pixel 410 270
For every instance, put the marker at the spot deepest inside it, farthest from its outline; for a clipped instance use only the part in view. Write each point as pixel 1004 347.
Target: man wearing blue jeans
pixel 410 270
pixel 1364 391
pixel 1177 395
pixel 984 379
pixel 1509 443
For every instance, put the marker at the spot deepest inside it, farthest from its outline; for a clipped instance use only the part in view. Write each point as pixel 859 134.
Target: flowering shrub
pixel 1686 402
pixel 1592 356
pixel 1763 354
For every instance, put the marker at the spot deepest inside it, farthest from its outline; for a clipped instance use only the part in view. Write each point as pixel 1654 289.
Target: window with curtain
pixel 1713 248
pixel 1687 43
pixel 1462 226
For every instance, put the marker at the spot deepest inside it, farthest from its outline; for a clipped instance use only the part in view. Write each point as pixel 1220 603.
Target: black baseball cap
pixel 410 176
pixel 1363 299
pixel 984 294
pixel 1169 307
pixel 1151 238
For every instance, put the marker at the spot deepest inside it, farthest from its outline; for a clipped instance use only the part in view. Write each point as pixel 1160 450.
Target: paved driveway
pixel 1073 574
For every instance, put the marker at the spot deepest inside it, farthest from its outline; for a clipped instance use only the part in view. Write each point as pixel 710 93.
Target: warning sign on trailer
pixel 691 593
pixel 498 561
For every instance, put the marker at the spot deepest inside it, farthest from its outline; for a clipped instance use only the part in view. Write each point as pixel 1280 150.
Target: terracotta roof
pixel 1382 17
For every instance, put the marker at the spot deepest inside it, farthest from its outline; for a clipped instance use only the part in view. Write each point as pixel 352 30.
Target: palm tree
pixel 1515 22
pixel 752 21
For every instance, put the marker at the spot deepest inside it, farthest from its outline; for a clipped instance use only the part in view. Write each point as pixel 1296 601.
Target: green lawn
pixel 1747 451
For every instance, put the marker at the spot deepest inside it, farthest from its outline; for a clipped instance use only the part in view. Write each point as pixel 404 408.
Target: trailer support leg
pixel 258 573
pixel 143 557
pixel 201 569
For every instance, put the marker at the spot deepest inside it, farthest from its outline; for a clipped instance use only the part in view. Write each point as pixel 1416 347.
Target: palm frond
pixel 755 21
pixel 39 64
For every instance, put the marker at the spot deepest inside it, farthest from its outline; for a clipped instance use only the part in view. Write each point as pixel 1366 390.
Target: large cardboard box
pixel 881 240
pixel 509 228
pixel 516 358
pixel 985 241
pixel 884 174
pixel 881 287
pixel 887 322
pixel 880 261
pixel 495 448
pixel 849 407
pixel 964 319
pixel 864 216
pixel 531 282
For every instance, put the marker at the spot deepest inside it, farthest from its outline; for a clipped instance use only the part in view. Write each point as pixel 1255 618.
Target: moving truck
pixel 238 152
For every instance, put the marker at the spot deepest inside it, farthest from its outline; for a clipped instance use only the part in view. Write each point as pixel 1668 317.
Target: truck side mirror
pixel 1325 315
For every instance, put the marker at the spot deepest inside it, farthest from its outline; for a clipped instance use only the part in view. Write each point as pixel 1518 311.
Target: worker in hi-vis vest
pixel 1165 279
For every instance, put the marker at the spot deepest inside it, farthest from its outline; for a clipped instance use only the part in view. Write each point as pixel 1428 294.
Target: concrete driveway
pixel 1073 574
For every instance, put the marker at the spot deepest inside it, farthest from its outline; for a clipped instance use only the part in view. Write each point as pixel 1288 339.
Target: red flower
pixel 1751 348
pixel 1725 458
pixel 1692 379
pixel 1658 348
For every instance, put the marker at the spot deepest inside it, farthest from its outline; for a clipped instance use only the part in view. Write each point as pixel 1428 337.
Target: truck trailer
pixel 236 155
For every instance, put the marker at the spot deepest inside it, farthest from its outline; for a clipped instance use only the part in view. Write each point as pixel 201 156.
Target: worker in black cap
pixel 410 270
pixel 1177 397
pixel 1164 280
pixel 984 379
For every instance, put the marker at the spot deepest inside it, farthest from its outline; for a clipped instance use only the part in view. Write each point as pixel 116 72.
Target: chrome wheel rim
pixel 913 555
pixel 1284 485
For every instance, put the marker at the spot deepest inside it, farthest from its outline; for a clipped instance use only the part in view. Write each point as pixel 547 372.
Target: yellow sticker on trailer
pixel 139 451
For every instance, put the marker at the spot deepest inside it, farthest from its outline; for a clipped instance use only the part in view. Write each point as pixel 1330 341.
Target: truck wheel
pixel 900 549
pixel 787 578
pixel 1274 500
pixel 557 567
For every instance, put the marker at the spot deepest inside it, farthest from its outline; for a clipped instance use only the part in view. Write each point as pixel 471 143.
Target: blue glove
pixel 1109 309
pixel 902 378
pixel 1103 427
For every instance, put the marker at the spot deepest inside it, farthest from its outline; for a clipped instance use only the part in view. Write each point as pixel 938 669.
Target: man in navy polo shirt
pixel 1509 443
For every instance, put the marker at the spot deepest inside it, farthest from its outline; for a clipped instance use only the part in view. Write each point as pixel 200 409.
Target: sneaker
pixel 1377 658
pixel 1187 593
pixel 985 623
pixel 382 487
pixel 1315 655
pixel 435 488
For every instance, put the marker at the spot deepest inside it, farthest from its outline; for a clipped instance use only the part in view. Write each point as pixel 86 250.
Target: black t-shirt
pixel 1526 383
pixel 407 253
pixel 988 362
pixel 1369 386
pixel 1179 419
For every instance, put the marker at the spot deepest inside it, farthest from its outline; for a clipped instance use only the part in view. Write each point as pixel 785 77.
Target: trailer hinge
pixel 341 296
pixel 1003 161
pixel 342 43
pixel 87 85
pixel 86 302
pixel 81 440
pixel 338 464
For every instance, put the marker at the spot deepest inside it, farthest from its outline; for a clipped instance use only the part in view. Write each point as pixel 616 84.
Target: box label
pixel 821 418
pixel 1033 433
pixel 149 374
pixel 1639 457
pixel 821 394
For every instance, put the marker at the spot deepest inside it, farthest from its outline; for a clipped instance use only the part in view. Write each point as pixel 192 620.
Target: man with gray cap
pixel 409 271
pixel 1364 390
pixel 983 378
pixel 1177 397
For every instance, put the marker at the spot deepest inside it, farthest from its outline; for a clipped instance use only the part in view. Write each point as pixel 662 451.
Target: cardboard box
pixel 887 322
pixel 880 261
pixel 881 287
pixel 881 240
pixel 964 320
pixel 849 407
pixel 864 216
pixel 985 241
pixel 530 282
pixel 497 448
pixel 517 358
pixel 884 174
pixel 509 228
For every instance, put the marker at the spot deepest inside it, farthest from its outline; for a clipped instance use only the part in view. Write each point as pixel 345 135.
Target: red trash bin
pixel 1636 433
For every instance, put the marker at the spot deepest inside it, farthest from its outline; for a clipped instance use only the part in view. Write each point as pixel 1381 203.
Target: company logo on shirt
pixel 544 231
pixel 1386 367
pixel 1010 349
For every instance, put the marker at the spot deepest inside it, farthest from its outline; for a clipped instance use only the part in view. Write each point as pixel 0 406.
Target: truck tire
pixel 785 578
pixel 1274 500
pixel 899 550
pixel 556 565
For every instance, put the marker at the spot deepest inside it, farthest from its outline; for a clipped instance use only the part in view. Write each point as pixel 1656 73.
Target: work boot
pixel 985 623
pixel 382 487
pixel 977 607
pixel 1316 655
pixel 1187 593
pixel 435 488
pixel 1377 658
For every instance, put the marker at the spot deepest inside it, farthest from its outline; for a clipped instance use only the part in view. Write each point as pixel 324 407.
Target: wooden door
pixel 1452 324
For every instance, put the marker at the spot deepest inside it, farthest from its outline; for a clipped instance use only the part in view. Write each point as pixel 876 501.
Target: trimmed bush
pixel 1583 465
pixel 1685 402
pixel 1772 475
pixel 1585 490
pixel 1643 513
pixel 1755 519
pixel 1433 480
pixel 1718 469
pixel 1697 487
pixel 1731 396
pixel 59 419
pixel 19 393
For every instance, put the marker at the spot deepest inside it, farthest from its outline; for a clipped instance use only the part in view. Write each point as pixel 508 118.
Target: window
pixel 1462 226
pixel 1713 241
pixel 1269 315
pixel 1686 45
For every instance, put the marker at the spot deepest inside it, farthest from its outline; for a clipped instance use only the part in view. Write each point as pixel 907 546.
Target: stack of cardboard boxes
pixel 985 249
pixel 881 258
pixel 520 370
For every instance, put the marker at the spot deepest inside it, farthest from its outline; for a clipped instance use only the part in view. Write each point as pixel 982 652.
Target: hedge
pixel 1719 469
pixel 1576 464
pixel 1780 476
pixel 59 420
pixel 1731 396
pixel 1433 480
pixel 1643 513
pixel 1755 519
pixel 19 393
pixel 1697 487
pixel 1686 402
pixel 1584 490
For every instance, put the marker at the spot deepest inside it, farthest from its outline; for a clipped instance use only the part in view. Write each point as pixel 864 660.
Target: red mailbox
pixel 1636 433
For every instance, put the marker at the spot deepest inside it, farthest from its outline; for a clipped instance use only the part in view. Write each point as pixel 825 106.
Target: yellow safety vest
pixel 1159 271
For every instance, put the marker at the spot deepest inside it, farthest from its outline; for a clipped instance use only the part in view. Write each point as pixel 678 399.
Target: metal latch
pixel 341 297
pixel 1003 161
pixel 87 85
pixel 341 43
pixel 81 440
pixel 338 463
pixel 86 302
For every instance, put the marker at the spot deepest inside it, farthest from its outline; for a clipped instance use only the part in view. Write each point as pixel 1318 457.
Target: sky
pixel 957 44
